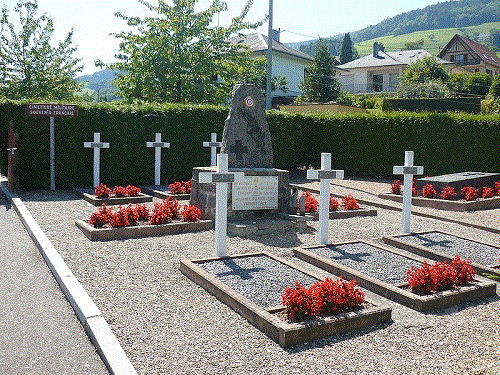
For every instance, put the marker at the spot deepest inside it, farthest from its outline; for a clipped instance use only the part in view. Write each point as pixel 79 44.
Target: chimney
pixel 276 35
pixel 375 49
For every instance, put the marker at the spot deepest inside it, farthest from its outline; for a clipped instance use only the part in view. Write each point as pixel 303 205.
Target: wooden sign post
pixel 52 111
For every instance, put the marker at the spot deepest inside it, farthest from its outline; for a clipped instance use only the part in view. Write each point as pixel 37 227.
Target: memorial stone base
pixel 265 193
pixel 459 180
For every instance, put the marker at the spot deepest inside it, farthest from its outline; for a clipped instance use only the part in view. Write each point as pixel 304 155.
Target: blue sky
pixel 94 20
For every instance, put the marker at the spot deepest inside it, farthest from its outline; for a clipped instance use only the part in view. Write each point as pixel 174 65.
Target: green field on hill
pixel 434 40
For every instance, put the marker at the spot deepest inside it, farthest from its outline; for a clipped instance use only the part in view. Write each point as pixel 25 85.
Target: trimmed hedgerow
pixel 363 144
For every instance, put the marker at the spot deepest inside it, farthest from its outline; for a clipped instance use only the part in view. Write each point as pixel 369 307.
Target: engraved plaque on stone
pixel 255 193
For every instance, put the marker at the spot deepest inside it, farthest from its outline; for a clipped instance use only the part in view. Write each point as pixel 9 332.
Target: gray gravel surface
pixel 453 246
pixel 371 260
pixel 169 325
pixel 261 279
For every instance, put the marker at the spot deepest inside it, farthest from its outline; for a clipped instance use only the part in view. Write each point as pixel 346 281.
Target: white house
pixel 380 71
pixel 287 62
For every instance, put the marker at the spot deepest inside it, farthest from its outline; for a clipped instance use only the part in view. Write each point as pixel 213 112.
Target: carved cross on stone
pixel 238 149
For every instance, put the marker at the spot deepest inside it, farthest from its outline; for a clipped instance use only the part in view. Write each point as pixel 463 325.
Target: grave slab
pixel 162 192
pixel 459 180
pixel 141 231
pixel 252 284
pixel 383 271
pixel 88 195
pixel 440 246
pixel 448 205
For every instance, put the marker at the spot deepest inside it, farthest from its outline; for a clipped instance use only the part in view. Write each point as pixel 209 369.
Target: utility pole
pixel 269 55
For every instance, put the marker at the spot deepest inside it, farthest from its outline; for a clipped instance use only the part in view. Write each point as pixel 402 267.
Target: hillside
pixel 456 15
pixel 101 82
pixel 434 40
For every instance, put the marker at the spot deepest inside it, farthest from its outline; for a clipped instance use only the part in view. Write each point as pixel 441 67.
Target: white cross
pixel 213 144
pixel 96 145
pixel 408 170
pixel 221 179
pixel 158 145
pixel 324 175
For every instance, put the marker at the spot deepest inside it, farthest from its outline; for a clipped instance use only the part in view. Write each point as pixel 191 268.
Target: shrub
pixel 350 203
pixel 396 187
pixel 119 191
pixel 323 297
pixel 334 204
pixel 428 89
pixel 142 212
pixel 101 217
pixel 176 188
pixel 469 193
pixel 440 275
pixel 487 192
pixel 191 213
pixel 311 203
pixel 478 83
pixel 428 191
pixel 414 191
pixel 497 187
pixel 448 192
pixel 129 191
pixel 161 214
pixel 187 186
pixel 494 91
pixel 120 218
pixel 102 191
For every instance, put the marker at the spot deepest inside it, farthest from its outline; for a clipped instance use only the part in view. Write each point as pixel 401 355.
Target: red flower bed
pixel 448 192
pixel 440 276
pixel 487 192
pixel 162 213
pixel 311 203
pixel 180 187
pixel 428 191
pixel 497 187
pixel 396 187
pixel 350 203
pixel 102 191
pixel 322 298
pixel 469 193
pixel 334 204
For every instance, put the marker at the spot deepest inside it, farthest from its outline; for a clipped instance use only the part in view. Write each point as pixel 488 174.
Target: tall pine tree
pixel 346 52
pixel 320 84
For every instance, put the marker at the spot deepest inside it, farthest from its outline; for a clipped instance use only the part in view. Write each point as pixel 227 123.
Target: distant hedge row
pixel 362 144
pixel 459 104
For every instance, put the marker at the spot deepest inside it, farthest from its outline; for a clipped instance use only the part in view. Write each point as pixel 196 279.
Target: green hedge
pixel 362 144
pixel 461 104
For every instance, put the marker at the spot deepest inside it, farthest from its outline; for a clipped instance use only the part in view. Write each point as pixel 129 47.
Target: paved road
pixel 39 332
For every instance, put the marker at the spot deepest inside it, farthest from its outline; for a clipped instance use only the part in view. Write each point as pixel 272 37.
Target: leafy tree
pixel 427 89
pixel 478 84
pixel 178 56
pixel 30 67
pixel 320 83
pixel 495 88
pixel 456 82
pixel 426 69
pixel 414 45
pixel 495 38
pixel 346 51
pixel 257 74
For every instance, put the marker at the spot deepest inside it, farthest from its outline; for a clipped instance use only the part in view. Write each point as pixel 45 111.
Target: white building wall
pixel 293 69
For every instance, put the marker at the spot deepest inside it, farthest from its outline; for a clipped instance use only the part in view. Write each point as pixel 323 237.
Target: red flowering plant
pixel 101 217
pixel 440 276
pixel 322 298
pixel 102 191
pixel 396 187
pixel 448 192
pixel 350 203
pixel 428 191
pixel 177 188
pixel 161 214
pixel 119 191
pixel 187 186
pixel 334 204
pixel 487 192
pixel 497 187
pixel 191 213
pixel 142 212
pixel 469 193
pixel 121 218
pixel 311 203
pixel 129 191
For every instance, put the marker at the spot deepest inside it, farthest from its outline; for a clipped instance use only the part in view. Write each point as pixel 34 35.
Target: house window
pixel 460 59
pixel 378 81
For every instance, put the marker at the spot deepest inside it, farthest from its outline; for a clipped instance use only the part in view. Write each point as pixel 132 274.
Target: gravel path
pixel 371 260
pixel 169 325
pixel 453 246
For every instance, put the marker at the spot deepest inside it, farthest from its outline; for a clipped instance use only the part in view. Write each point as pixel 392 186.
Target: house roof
pixel 484 53
pixel 258 43
pixel 390 59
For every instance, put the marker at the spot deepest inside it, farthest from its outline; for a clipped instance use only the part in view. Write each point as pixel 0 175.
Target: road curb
pixel 108 347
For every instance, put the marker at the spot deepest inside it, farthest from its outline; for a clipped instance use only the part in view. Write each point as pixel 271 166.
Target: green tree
pixel 178 56
pixel 495 88
pixel 478 84
pixel 426 69
pixel 30 67
pixel 346 51
pixel 320 83
pixel 418 44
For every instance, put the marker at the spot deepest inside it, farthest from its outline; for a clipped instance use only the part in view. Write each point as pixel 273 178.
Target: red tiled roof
pixel 484 53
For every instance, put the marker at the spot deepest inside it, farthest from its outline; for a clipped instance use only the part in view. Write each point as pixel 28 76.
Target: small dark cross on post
pixel 357 257
pixel 238 149
pixel 243 273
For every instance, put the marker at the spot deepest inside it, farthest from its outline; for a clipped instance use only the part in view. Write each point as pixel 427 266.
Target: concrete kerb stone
pixel 88 313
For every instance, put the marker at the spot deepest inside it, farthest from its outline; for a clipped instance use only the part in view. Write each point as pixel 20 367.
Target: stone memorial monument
pixel 247 141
